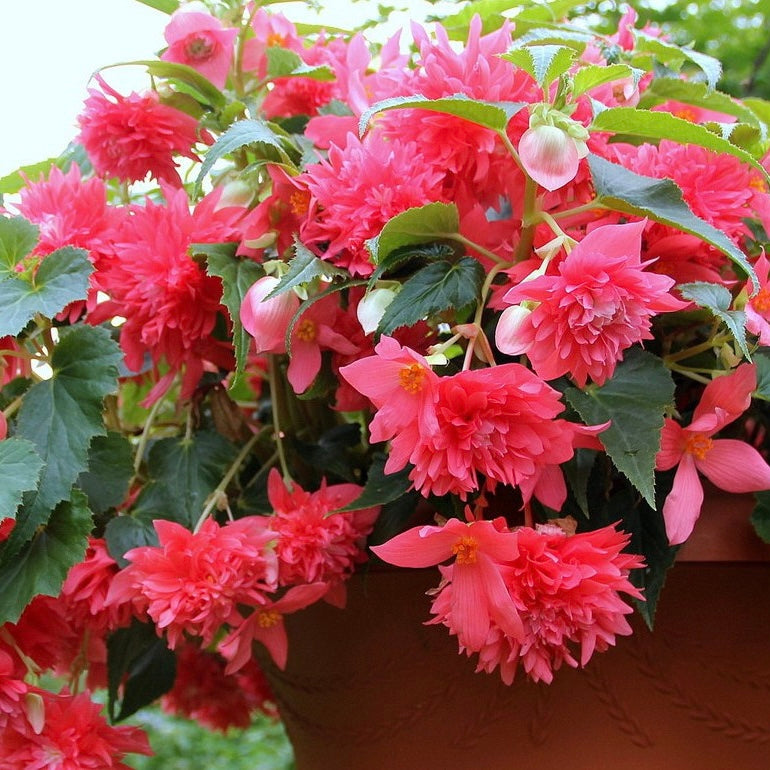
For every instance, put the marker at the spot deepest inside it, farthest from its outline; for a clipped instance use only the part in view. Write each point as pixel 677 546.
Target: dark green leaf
pixel 380 487
pixel 760 516
pixel 648 124
pixel 426 252
pixel 237 276
pixel 492 115
pixel 635 401
pixel 436 287
pixel 20 467
pixel 61 278
pixel 188 471
pixel 43 563
pixel 622 190
pixel 61 416
pixel 328 455
pixel 18 237
pixel 140 667
pixel 304 268
pixel 245 133
pixel 423 224
pixel 110 468
pixel 717 299
pixel 762 361
pixel 126 532
pixel 394 517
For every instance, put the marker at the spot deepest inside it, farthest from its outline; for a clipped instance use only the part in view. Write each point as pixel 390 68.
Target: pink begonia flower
pixel 193 582
pixel 729 464
pixel 550 156
pixel 479 596
pixel 200 41
pixel 599 303
pixel 12 689
pixel 266 625
pixel 315 331
pixel 566 591
pixel 267 320
pixel 314 544
pixel 757 308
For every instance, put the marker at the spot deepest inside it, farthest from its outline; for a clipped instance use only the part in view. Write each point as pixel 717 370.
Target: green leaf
pixel 427 252
pixel 304 268
pixel 675 56
pixel 166 6
pixel 544 62
pixel 18 237
pixel 663 125
pixel 436 287
pixel 557 35
pixel 717 299
pixel 43 564
pixel 187 471
pixel 492 115
pixel 282 63
pixel 11 183
pixel 394 517
pixel 635 401
pixel 622 190
pixel 60 416
pixel 237 276
pixel 110 469
pixel 595 75
pixel 245 133
pixel 61 278
pixel 139 666
pixel 20 467
pixel 760 516
pixel 423 224
pixel 762 362
pixel 381 487
pixel 126 532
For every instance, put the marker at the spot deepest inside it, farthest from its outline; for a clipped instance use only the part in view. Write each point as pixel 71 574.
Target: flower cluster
pixel 310 304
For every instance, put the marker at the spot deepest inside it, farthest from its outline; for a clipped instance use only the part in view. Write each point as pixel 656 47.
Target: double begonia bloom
pixel 597 304
pixel 193 582
pixel 729 464
pixel 757 307
pixel 200 41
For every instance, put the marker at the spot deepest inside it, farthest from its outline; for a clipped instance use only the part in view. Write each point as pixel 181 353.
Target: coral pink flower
pixel 129 137
pixel 729 464
pixel 73 736
pixel 566 590
pixel 202 691
pixel 314 544
pixel 479 598
pixel 200 41
pixel 357 190
pixel 266 625
pixel 599 303
pixel 12 690
pixel 192 582
pixel 267 320
pixel 757 307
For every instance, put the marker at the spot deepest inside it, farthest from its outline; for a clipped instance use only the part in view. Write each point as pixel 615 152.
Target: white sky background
pixel 49 49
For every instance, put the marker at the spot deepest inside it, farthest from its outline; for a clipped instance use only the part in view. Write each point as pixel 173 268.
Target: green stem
pixel 709 344
pixel 276 407
pixel 585 208
pixel 475 246
pixel 145 437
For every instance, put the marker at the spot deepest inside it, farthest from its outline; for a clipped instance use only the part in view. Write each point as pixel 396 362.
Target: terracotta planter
pixel 372 687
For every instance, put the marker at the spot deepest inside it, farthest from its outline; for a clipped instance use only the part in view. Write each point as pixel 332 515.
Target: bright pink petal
pixel 683 504
pixel 730 393
pixel 421 546
pixel 616 240
pixel 299 597
pixel 735 466
pixel 304 365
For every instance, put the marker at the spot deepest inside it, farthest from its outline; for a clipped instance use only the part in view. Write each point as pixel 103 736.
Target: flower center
pixel 757 183
pixel 698 445
pixel 275 39
pixel 465 550
pixel 411 378
pixel 299 201
pixel 306 330
pixel 761 302
pixel 268 618
pixel 685 113
pixel 199 49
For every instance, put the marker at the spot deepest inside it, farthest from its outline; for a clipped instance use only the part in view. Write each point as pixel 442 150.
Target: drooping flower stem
pixel 479 249
pixel 145 437
pixel 276 408
pixel 529 221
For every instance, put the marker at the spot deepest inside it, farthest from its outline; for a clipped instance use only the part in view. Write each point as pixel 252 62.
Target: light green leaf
pixel 20 467
pixel 43 564
pixel 492 115
pixel 61 278
pixel 304 268
pixel 283 63
pixel 245 133
pixel 423 224
pixel 166 6
pixel 18 237
pixel 237 275
pixel 595 75
pixel 17 180
pixel 544 62
pixel 619 189
pixel 635 401
pixel 717 299
pixel 60 416
pixel 675 56
pixel 646 124
pixel 557 35
pixel 436 287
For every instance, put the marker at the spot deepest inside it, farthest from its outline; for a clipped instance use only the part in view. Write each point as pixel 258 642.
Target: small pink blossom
pixel 729 464
pixel 757 307
pixel 550 156
pixel 267 320
pixel 200 41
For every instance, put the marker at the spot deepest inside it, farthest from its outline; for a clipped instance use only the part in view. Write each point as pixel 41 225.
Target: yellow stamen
pixel 306 330
pixel 411 378
pixel 698 445
pixel 761 300
pixel 299 201
pixel 268 618
pixel 465 550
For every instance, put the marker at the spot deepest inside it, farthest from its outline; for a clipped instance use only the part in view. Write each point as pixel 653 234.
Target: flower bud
pixel 235 193
pixel 549 155
pixel 508 325
pixel 372 307
pixel 267 320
